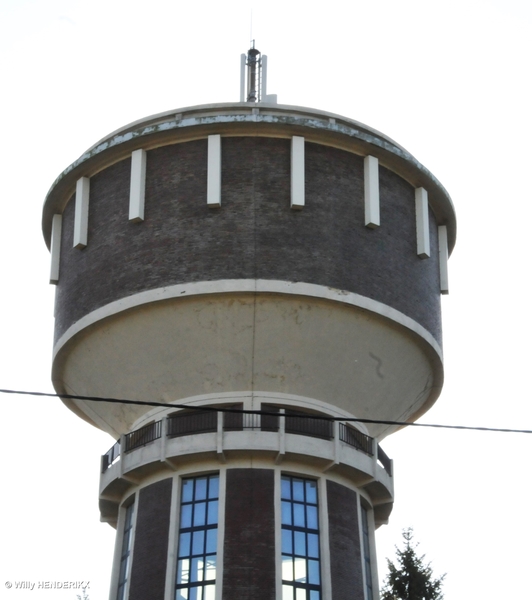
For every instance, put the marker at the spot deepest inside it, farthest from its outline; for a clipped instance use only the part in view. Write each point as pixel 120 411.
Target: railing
pixel 143 436
pixel 304 425
pixel 110 456
pixel 195 422
pixel 357 439
pixel 189 423
pixel 246 422
pixel 386 462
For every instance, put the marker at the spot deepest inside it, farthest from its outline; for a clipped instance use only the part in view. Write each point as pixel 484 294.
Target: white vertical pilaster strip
pixel 137 185
pixel 361 541
pixel 277 512
pixel 422 223
pixel 222 493
pixel 371 192
pixel 264 78
pixel 214 171
pixel 242 78
pixel 55 248
pixel 325 542
pixel 297 198
pixel 81 218
pixel 444 256
pixel 171 559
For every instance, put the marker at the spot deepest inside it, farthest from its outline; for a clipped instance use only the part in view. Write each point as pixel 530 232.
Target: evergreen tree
pixel 411 579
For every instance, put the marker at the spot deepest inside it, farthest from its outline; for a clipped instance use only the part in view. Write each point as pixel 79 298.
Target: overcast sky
pixel 449 81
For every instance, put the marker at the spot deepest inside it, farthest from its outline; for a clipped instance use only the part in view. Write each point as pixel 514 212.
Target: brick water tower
pixel 280 263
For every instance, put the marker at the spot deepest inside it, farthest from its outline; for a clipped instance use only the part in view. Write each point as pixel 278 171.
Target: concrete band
pixel 248 286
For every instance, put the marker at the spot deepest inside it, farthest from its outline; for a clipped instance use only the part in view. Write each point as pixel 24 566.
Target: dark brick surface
pixel 148 572
pixel 249 545
pixel 344 543
pixel 253 234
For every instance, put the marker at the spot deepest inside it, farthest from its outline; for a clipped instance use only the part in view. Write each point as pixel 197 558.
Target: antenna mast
pixel 254 65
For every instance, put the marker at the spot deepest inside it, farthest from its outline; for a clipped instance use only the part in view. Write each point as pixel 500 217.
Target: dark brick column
pixel 344 543
pixel 249 545
pixel 148 573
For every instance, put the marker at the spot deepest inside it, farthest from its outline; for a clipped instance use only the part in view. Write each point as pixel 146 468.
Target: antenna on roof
pixel 254 65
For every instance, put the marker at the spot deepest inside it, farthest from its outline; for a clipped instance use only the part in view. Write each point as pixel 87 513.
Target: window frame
pixel 198 515
pixel 300 538
pixel 128 528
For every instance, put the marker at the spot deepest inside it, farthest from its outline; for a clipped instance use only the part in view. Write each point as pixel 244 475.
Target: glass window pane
pixel 312 492
pixel 314 595
pixel 201 488
pixel 196 570
pixel 125 542
pixel 299 543
pixel 300 570
pixel 212 514
pixel 186 516
pixel 208 592
pixel 288 592
pixel 298 490
pixel 193 593
pixel 301 594
pixel 312 517
pixel 198 538
pixel 313 545
pixel 299 515
pixel 199 513
pixel 183 571
pixel 314 572
pixel 210 568
pixel 214 483
pixel 182 594
pixel 122 575
pixel 184 544
pixel 212 538
pixel 285 488
pixel 286 509
pixel 187 490
pixel 129 516
pixel 287 568
pixel 286 545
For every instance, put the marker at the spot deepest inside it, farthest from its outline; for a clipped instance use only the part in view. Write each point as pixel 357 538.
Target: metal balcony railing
pixel 311 426
pixel 357 439
pixel 190 423
pixel 143 436
pixel 110 456
pixel 386 462
pixel 206 421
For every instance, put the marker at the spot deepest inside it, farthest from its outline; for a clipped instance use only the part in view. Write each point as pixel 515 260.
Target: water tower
pixel 264 273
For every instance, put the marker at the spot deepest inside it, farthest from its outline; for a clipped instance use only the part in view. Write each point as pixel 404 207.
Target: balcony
pixel 281 434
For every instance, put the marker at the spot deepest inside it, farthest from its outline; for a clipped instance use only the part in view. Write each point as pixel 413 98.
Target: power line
pixel 262 412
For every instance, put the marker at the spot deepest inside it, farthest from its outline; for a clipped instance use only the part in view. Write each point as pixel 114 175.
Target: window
pixel 126 552
pixel 300 545
pixel 367 555
pixel 198 535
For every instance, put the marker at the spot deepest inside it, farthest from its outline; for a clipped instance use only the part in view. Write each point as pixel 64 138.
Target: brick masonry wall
pixel 254 234
pixel 344 543
pixel 148 572
pixel 249 545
